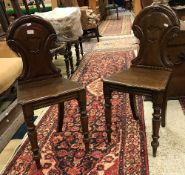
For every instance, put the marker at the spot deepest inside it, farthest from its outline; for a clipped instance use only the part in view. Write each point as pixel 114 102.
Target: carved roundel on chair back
pixel 32 38
pixel 154 27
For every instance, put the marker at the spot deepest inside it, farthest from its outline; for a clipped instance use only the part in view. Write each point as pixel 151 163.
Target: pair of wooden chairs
pixel 41 83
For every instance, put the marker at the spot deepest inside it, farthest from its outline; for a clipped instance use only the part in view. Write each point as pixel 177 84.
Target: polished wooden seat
pixel 132 78
pixel 41 83
pixel 151 70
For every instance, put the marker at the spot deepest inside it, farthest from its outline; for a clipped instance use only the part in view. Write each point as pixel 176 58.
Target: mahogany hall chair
pixel 150 71
pixel 41 83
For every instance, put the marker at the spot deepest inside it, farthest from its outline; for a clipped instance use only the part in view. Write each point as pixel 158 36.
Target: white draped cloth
pixel 65 21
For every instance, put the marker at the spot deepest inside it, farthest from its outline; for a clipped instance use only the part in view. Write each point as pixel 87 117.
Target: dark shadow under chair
pixel 41 83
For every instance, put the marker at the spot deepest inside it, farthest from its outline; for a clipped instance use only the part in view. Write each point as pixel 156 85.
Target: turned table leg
pixel 70 57
pixel 32 133
pixel 163 112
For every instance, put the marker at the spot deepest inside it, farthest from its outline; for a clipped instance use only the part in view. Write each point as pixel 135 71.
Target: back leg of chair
pixel 163 112
pixel 84 118
pixel 133 106
pixel 60 116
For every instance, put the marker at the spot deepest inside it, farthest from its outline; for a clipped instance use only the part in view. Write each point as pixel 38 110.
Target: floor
pixel 170 159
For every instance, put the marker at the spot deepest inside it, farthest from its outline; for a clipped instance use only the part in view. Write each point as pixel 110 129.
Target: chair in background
pixel 90 23
pixel 151 70
pixel 112 5
pixel 41 83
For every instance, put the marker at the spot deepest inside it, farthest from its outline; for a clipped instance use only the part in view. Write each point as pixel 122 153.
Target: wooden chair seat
pixel 46 90
pixel 141 78
pixel 11 69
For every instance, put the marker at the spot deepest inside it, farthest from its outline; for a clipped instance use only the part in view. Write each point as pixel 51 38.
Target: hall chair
pixel 150 71
pixel 41 83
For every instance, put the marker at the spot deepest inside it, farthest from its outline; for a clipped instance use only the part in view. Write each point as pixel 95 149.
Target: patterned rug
pixel 111 43
pixel 63 153
pixel 113 27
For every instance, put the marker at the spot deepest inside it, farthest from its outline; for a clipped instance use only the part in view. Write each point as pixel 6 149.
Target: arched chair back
pixel 32 38
pixel 154 36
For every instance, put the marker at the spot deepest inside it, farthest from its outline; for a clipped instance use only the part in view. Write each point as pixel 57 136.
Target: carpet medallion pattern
pixel 63 153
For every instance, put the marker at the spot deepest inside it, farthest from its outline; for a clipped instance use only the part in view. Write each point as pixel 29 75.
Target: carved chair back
pixel 32 38
pixel 154 36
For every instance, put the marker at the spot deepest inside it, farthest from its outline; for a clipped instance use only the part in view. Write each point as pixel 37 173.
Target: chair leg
pixel 133 106
pixel 60 116
pixel 108 111
pixel 84 118
pixel 32 133
pixel 81 46
pixel 157 106
pixel 163 112
pixel 77 53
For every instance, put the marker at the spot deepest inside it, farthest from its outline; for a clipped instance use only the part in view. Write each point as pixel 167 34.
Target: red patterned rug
pixel 63 153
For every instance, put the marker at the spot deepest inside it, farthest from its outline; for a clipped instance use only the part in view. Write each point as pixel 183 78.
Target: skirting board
pixel 10 121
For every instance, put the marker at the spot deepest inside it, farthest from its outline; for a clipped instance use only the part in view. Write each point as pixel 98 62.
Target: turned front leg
pixel 84 118
pixel 32 134
pixel 108 111
pixel 157 106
